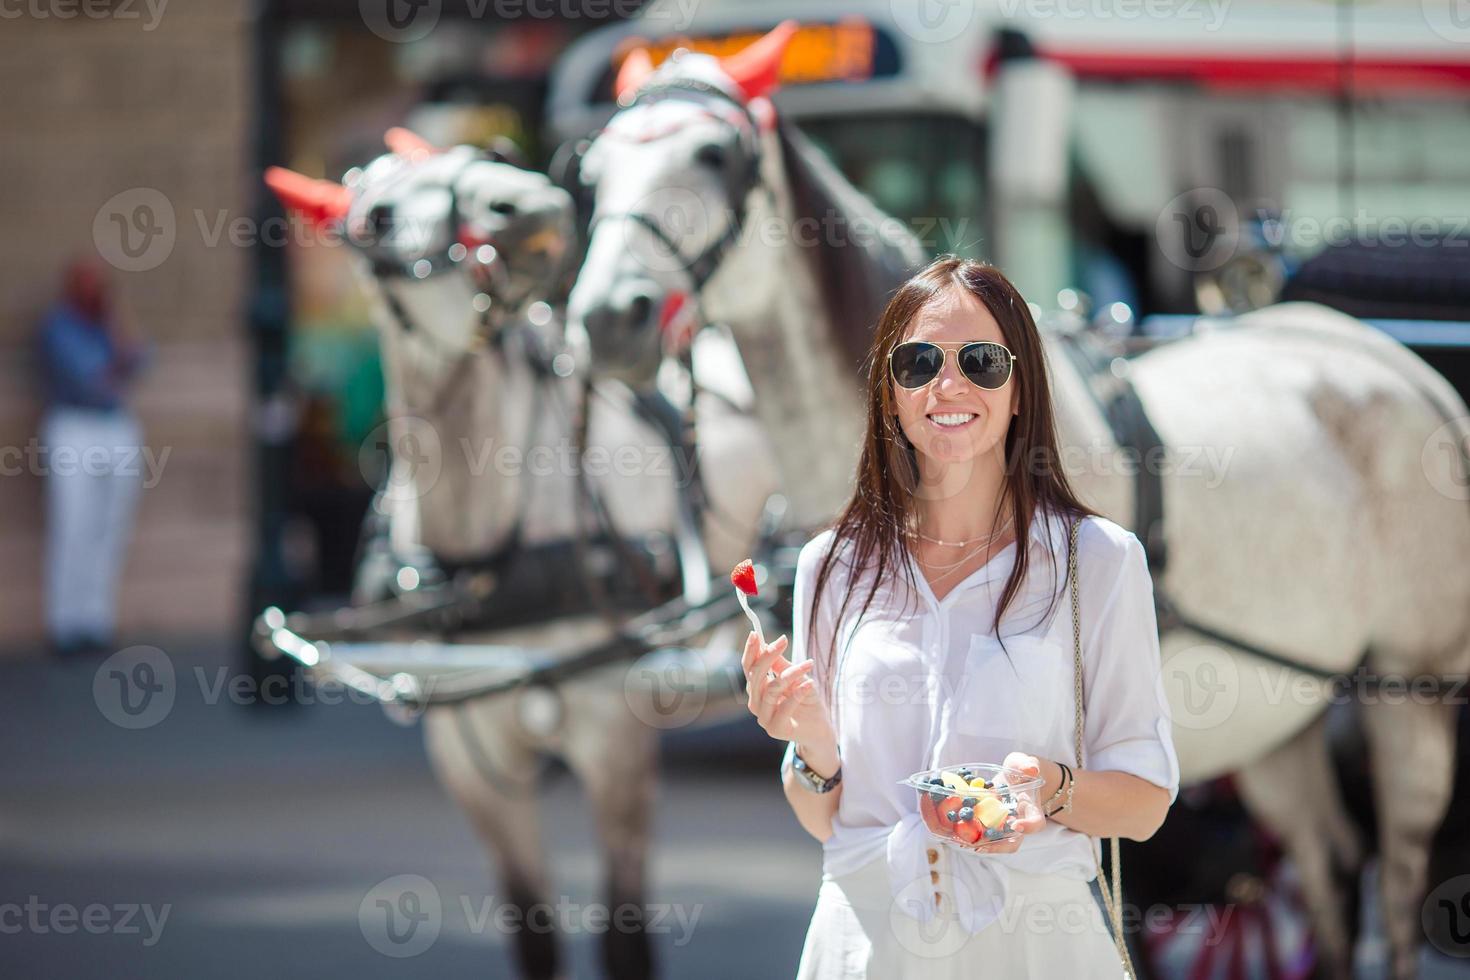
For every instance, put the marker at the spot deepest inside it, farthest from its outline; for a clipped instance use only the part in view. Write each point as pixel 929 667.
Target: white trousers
pixel 1051 927
pixel 93 472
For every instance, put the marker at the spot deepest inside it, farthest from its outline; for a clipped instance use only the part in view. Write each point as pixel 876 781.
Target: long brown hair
pixel 888 470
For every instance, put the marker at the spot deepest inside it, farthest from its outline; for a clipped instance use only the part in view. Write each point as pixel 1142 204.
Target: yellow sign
pixel 817 52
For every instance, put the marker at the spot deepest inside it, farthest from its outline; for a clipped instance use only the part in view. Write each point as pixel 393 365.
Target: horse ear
pixel 407 143
pixel 320 201
pixel 756 68
pixel 633 72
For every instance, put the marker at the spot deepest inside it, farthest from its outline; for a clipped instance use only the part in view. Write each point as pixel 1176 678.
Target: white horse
pixel 484 404
pixel 1299 515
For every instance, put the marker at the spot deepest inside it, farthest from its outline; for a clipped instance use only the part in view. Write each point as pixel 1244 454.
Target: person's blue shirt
pixel 81 364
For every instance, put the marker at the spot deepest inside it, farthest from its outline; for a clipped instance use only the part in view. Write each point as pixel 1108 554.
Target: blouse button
pixel 933 856
pixel 934 877
pixel 936 900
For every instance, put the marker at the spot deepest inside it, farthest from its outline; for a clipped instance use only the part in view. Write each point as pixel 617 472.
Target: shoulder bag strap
pixel 1112 896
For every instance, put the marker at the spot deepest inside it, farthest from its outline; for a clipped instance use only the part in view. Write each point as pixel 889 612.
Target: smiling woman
pixel 959 652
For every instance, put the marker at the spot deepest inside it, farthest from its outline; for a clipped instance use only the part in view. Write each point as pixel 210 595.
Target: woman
pixel 932 628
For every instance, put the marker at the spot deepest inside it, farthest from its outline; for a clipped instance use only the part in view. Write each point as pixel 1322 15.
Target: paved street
pixel 258 833
pixel 230 841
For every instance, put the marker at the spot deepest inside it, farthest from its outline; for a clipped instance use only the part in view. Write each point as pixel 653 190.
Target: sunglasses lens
pixel 915 364
pixel 986 365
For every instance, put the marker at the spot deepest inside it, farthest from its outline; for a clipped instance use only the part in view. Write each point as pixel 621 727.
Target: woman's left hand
pixel 1028 819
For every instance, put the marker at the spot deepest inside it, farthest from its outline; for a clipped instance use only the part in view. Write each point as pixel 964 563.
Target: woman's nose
pixel 951 380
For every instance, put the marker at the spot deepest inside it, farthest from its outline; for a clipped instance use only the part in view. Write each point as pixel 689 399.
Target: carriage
pixel 1081 239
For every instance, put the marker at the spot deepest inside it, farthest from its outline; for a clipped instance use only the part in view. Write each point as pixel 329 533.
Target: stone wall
pixel 118 113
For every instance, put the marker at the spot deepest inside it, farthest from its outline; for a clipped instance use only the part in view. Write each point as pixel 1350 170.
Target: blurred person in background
pixel 91 444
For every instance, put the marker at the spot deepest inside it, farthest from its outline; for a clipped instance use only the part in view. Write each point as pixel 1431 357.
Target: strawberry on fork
pixel 743 578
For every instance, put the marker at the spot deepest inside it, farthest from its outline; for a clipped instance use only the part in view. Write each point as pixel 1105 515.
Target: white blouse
pixel 923 683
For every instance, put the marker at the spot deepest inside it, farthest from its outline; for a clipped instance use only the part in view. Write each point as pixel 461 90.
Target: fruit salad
pixel 971 804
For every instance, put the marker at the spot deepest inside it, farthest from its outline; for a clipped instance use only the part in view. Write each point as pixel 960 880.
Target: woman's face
pixel 955 317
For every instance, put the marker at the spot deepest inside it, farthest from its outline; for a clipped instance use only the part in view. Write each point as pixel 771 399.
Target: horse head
pixel 418 212
pixel 672 177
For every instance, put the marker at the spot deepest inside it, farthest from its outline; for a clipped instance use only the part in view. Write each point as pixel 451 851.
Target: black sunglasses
pixel 915 363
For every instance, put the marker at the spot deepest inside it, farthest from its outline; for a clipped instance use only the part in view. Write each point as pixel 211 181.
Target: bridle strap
pixel 703 266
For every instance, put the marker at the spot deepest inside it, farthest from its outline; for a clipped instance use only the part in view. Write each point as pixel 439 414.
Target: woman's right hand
pixel 787 706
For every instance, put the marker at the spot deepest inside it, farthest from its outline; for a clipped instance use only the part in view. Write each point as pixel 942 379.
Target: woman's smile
pixel 951 420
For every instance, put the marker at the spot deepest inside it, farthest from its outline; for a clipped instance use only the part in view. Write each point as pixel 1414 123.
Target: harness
pixel 701 267
pixel 1107 381
pixel 527 579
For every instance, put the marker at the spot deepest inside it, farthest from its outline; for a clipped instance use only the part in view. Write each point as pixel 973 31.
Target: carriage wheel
pixel 1262 930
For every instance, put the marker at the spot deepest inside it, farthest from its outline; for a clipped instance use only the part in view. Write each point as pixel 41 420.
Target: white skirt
pixel 1051 927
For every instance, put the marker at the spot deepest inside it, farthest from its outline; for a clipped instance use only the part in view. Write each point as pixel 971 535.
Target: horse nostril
pixel 638 311
pixel 506 208
pixel 379 217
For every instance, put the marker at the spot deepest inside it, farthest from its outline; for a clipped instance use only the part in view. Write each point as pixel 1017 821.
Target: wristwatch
pixel 805 777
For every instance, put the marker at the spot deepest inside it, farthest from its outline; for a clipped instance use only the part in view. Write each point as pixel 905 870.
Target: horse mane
pixel 857 268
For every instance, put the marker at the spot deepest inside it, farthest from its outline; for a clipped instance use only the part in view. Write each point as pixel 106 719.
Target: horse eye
pixel 711 155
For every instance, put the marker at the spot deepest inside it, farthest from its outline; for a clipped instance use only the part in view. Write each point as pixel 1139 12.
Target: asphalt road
pixel 228 840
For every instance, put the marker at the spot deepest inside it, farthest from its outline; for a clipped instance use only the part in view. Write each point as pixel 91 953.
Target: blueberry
pixel 993 833
pixel 936 798
pixel 969 801
pixel 965 774
pixel 967 813
pixel 936 781
pixel 952 815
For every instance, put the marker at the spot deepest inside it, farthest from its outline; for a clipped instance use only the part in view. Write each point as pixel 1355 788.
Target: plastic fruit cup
pixel 974 803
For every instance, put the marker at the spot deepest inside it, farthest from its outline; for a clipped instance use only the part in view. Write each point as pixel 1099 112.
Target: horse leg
pixel 1411 744
pixel 615 755
pixel 1293 792
pixel 478 757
